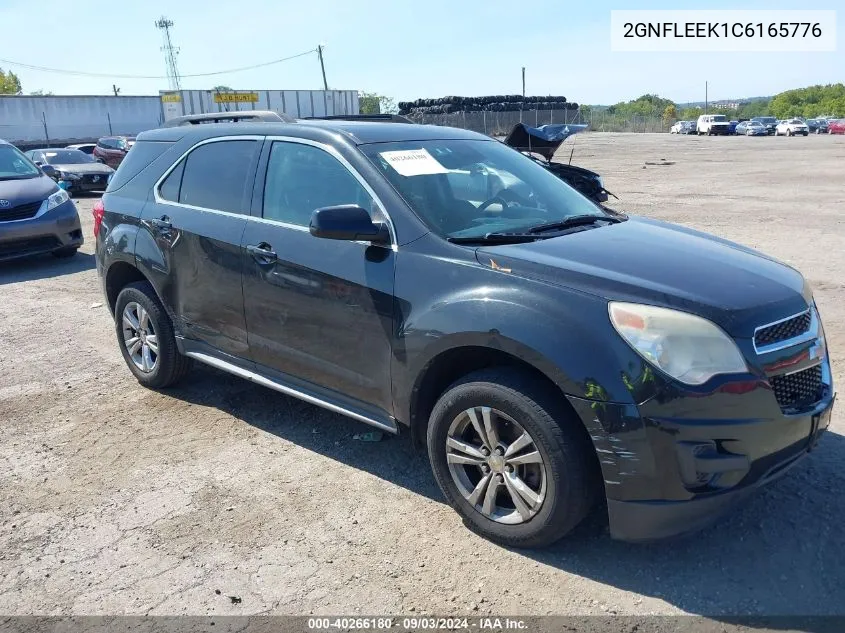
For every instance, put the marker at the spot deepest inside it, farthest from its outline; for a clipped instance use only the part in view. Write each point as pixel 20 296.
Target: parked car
pixel 541 144
pixel 836 126
pixel 689 127
pixel 710 124
pixel 677 127
pixel 817 126
pixel 79 170
pixel 751 128
pixel 732 127
pixel 769 122
pixel 792 127
pixel 88 148
pixel 113 149
pixel 432 280
pixel 36 216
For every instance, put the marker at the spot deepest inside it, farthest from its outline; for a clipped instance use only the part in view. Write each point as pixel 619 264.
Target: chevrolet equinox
pixel 547 351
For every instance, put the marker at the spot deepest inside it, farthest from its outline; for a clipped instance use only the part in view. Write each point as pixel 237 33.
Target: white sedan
pixel 791 127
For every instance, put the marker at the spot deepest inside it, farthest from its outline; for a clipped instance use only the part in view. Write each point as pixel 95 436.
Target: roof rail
pixel 245 116
pixel 378 118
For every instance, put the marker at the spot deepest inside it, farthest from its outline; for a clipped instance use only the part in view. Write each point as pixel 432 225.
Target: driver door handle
pixel 262 253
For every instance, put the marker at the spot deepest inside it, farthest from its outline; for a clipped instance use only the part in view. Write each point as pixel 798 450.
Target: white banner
pixel 723 31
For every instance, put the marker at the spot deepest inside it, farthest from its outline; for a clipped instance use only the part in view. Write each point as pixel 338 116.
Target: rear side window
pixel 139 157
pixel 169 189
pixel 217 175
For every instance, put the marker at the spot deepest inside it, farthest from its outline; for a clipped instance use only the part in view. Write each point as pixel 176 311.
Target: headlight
pixel 687 347
pixel 67 175
pixel 60 197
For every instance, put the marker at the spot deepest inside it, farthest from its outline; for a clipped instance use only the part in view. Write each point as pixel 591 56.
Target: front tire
pixel 146 339
pixel 510 460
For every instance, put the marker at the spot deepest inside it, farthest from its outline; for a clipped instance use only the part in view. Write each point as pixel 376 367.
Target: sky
pixel 403 49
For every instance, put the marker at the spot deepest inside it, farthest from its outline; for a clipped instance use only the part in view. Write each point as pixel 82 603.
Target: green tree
pixel 810 102
pixel 222 89
pixel 9 83
pixel 372 103
pixel 670 115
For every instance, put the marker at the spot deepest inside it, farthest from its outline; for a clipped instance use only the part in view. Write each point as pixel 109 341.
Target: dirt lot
pixel 119 500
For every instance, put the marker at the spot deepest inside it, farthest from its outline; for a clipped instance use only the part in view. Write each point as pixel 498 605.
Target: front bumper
pixel 668 470
pixel 56 229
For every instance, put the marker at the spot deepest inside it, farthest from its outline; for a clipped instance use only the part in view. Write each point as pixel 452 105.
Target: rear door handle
pixel 263 253
pixel 163 223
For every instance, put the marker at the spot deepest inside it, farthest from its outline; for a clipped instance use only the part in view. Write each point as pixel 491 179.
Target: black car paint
pixel 361 327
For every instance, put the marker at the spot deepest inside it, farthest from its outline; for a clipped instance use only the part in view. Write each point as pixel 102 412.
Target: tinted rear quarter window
pixel 139 157
pixel 216 175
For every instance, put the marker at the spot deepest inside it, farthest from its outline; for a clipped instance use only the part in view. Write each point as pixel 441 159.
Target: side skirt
pixel 289 388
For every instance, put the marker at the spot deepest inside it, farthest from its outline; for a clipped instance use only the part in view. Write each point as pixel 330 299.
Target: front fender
pixel 563 333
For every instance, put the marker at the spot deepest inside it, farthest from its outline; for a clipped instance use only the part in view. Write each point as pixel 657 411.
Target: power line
pixel 83 73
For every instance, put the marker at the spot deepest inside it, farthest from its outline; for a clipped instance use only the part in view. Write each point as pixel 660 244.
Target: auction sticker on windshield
pixel 413 162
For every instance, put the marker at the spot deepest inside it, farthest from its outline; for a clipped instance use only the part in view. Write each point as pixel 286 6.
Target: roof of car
pixel 359 132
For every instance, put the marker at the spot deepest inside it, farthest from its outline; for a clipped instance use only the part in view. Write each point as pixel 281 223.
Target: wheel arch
pixel 449 365
pixel 119 275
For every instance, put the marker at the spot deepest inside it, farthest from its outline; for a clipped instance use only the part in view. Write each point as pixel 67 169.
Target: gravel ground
pixel 221 497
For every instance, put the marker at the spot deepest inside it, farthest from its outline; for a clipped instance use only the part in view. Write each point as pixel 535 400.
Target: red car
pixel 836 127
pixel 112 149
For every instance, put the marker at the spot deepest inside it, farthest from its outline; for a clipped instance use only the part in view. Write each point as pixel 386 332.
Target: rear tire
pixel 139 318
pixel 64 253
pixel 562 474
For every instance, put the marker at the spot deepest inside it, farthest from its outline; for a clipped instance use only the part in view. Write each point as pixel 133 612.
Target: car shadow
pixel 43 267
pixel 782 552
pixel 393 459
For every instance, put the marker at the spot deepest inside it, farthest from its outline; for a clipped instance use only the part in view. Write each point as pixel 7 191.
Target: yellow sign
pixel 235 97
pixel 172 98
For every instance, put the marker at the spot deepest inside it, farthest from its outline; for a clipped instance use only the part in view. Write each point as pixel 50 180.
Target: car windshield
pixel 755 124
pixel 14 165
pixel 720 118
pixel 469 188
pixel 66 157
pixel 766 119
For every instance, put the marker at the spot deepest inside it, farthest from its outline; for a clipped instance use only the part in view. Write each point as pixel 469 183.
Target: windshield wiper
pixel 573 220
pixel 495 238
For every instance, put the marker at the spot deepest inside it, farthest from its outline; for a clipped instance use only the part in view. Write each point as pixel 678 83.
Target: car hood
pixel 27 190
pixel 543 140
pixel 662 264
pixel 85 168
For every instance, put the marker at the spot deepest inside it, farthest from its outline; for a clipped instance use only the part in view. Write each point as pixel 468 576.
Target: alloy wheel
pixel 496 465
pixel 139 337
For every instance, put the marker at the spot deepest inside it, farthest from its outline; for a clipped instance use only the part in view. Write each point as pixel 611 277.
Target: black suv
pixel 547 351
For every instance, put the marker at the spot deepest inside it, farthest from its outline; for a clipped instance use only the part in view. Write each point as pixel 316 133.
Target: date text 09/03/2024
pixel 416 623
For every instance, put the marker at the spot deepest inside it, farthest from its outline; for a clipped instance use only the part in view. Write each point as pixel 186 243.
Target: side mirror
pixel 347 222
pixel 38 163
pixel 99 160
pixel 49 170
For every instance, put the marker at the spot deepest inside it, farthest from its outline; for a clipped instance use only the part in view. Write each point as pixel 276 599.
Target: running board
pixel 387 426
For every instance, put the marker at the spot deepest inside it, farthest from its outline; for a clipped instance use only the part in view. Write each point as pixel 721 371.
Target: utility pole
pixel 322 65
pixel 170 53
pixel 705 97
pixel 523 82
pixel 116 89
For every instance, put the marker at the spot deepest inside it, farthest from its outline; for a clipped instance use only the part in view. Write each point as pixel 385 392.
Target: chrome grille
pixel 20 212
pixel 783 330
pixel 799 389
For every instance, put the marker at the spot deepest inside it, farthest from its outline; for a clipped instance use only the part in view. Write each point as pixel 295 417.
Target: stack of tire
pixel 495 103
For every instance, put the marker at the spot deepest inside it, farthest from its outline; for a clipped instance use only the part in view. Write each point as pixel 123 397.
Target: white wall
pixel 75 119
